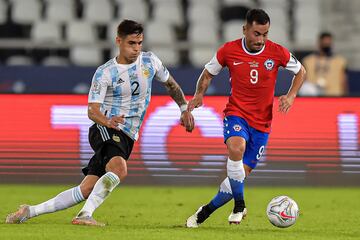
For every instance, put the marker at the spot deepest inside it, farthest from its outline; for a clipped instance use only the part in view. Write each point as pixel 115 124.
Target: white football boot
pixel 235 218
pixel 20 216
pixel 192 221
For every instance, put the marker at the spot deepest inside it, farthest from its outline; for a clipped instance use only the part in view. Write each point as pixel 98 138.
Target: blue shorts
pixel 255 140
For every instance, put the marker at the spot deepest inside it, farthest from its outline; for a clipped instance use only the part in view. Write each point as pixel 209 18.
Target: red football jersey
pixel 252 79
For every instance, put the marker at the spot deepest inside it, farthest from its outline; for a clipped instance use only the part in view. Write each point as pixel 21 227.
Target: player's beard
pixel 258 47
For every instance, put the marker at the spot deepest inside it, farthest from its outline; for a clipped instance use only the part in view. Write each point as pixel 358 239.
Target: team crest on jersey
pixel 269 64
pixel 146 73
pixel 237 128
pixel 116 138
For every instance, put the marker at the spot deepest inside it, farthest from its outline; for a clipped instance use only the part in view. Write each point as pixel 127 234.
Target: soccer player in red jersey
pixel 253 62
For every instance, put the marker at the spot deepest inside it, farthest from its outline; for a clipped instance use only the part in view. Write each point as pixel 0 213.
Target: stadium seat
pixel 279 15
pixel 133 9
pixel 55 61
pixel 112 30
pixel 114 51
pixel 3 11
pixel 80 32
pixel 159 33
pixel 19 60
pixel 60 11
pixel 273 3
pixel 98 12
pixel 203 34
pixel 45 32
pixel 279 34
pixel 232 30
pixel 307 28
pixel 168 56
pixel 26 11
pixel 202 14
pixel 200 56
pixel 86 56
pixel 246 3
pixel 169 11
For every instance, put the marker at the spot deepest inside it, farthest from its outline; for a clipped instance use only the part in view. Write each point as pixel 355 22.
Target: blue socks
pixel 231 187
pixel 223 196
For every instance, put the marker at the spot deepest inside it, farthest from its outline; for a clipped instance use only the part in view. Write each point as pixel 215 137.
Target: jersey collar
pixel 250 53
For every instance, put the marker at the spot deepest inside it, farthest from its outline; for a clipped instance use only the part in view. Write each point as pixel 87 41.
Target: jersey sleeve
pixel 98 87
pixel 217 62
pixel 289 61
pixel 161 72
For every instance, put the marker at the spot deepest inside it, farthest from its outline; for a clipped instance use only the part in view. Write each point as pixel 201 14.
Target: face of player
pixel 130 47
pixel 256 35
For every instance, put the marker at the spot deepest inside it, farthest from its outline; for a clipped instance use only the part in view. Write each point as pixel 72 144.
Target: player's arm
pixel 201 87
pixel 286 101
pixel 98 117
pixel 96 97
pixel 176 92
pixel 178 96
pixel 212 68
pixel 297 82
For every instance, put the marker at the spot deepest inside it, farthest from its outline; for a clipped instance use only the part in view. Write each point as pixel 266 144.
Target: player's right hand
pixel 187 120
pixel 196 102
pixel 114 121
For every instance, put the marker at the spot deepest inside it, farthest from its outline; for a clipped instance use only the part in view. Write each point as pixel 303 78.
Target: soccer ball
pixel 282 211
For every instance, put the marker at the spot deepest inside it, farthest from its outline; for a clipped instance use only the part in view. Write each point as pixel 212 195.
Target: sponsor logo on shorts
pixel 237 127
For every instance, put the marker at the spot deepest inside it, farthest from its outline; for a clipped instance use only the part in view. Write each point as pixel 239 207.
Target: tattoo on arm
pixel 175 91
pixel 203 82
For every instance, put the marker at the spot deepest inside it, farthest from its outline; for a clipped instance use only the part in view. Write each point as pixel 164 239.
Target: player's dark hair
pixel 127 27
pixel 324 35
pixel 257 15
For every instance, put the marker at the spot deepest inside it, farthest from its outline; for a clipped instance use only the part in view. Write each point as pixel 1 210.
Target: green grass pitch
pixel 160 213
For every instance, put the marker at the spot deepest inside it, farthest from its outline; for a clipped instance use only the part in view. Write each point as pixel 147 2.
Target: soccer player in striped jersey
pixel 253 63
pixel 119 96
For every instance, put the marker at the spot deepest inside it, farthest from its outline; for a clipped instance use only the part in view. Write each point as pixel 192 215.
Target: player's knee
pixel 236 151
pixel 118 166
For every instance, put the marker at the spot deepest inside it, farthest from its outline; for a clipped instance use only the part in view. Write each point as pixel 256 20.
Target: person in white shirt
pixel 119 96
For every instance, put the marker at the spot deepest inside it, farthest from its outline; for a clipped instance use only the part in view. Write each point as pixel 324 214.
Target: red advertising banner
pixel 46 135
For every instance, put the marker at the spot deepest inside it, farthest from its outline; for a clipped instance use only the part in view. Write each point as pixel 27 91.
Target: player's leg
pixel 111 167
pixel 235 133
pixel 254 150
pixel 223 196
pixel 236 175
pixel 66 198
pixel 63 200
pixel 116 171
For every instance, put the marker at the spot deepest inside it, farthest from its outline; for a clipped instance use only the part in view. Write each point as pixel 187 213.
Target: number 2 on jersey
pixel 254 76
pixel 135 88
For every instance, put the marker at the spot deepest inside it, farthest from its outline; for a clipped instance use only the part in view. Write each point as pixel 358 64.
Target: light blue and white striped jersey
pixel 126 89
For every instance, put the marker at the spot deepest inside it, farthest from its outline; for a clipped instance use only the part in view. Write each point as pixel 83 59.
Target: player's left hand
pixel 187 120
pixel 285 103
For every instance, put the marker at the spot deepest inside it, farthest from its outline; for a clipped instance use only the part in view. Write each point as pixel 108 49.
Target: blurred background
pixel 49 50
